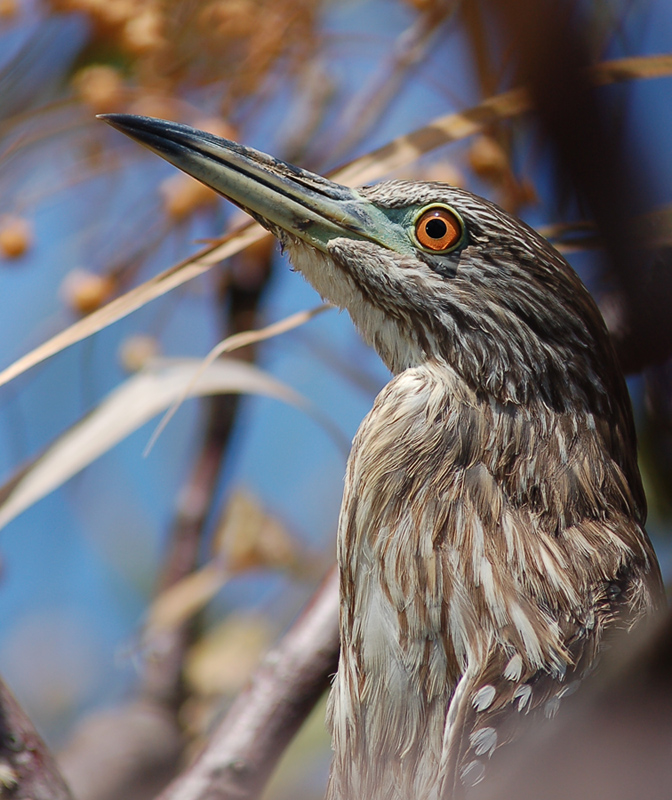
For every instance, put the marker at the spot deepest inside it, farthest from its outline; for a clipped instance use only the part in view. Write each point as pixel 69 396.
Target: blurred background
pixel 246 489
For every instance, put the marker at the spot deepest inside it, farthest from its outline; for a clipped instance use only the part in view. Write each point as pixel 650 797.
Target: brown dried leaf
pixel 634 68
pixel 221 661
pixel 16 236
pixel 101 87
pixel 85 291
pixel 248 537
pixel 443 130
pixel 182 195
pixel 176 604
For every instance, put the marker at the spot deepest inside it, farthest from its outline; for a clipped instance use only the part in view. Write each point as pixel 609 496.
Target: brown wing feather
pixel 499 698
pixel 498 702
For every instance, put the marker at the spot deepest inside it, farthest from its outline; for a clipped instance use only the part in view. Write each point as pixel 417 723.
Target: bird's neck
pixel 383 327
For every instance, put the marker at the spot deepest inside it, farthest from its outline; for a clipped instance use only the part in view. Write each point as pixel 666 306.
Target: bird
pixel 491 539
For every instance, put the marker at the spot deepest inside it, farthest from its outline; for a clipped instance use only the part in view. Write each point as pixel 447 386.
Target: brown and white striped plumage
pixel 491 533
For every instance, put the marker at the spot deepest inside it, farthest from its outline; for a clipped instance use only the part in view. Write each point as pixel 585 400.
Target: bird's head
pixel 426 270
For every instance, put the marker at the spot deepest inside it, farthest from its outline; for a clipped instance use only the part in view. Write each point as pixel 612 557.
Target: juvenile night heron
pixel 491 534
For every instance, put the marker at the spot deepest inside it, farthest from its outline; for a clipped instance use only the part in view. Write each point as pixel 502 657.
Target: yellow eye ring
pixel 438 229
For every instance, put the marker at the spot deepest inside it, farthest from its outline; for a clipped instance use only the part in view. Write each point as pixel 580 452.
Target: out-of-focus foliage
pixel 165 48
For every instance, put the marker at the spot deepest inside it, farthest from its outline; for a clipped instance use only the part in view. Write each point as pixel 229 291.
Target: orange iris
pixel 438 229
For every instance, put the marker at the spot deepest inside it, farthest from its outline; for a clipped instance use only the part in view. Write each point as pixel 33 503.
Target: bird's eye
pixel 438 229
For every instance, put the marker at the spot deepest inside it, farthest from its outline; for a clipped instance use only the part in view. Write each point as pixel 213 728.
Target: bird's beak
pixel 280 196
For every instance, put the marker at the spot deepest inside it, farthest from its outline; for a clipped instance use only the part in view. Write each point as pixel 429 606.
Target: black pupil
pixel 436 228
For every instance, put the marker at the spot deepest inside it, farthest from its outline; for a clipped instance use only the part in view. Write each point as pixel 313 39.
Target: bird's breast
pixel 464 520
pixel 466 525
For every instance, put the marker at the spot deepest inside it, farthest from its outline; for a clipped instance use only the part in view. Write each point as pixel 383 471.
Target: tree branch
pixel 27 768
pixel 245 748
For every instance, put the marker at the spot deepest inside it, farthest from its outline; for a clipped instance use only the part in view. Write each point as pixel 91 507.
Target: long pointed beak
pixel 280 196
